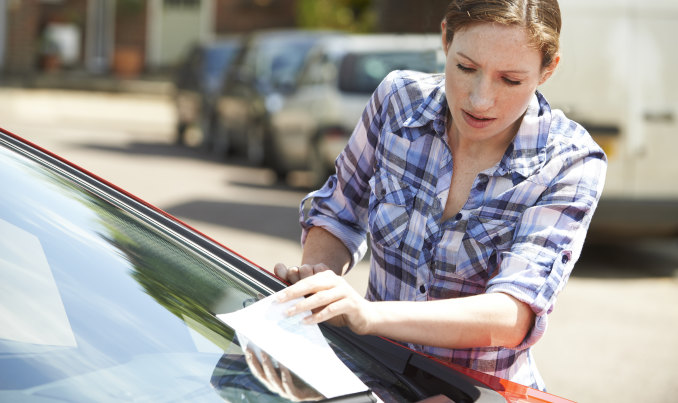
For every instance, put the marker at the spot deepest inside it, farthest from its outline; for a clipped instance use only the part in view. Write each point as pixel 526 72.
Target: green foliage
pixel 347 15
pixel 130 7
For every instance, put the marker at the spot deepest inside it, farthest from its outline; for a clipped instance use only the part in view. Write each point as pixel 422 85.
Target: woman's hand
pixel 293 274
pixel 330 299
pixel 278 379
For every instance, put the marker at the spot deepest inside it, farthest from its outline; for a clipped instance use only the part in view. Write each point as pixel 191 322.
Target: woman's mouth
pixel 475 121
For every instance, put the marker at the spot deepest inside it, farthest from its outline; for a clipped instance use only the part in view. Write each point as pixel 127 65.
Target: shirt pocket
pixel 391 202
pixel 481 247
pixel 493 233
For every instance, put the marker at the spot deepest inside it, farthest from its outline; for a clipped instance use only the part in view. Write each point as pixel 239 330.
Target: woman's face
pixel 491 73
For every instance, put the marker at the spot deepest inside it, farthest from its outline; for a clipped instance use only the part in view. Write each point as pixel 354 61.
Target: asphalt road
pixel 613 336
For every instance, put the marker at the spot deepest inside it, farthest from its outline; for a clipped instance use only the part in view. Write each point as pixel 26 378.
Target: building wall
pixel 410 16
pixel 234 16
pixel 21 46
pixel 25 19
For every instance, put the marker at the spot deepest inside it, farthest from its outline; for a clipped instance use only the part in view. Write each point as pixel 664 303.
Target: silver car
pixel 313 125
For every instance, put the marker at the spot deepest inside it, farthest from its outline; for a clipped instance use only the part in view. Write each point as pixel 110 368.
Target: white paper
pixel 300 347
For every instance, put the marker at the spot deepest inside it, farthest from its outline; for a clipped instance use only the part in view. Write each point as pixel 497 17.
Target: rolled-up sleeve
pixel 549 236
pixel 340 206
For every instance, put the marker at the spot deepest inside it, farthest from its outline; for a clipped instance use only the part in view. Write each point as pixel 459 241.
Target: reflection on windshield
pixel 133 304
pixel 29 313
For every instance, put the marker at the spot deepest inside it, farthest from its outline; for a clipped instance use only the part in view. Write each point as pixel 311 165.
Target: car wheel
pixel 207 127
pixel 180 138
pixel 273 158
pixel 255 148
pixel 316 165
pixel 221 143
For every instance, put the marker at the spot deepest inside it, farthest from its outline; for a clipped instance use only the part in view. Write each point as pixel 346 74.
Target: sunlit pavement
pixel 613 336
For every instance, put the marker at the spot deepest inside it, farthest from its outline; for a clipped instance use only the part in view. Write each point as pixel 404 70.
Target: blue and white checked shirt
pixel 520 231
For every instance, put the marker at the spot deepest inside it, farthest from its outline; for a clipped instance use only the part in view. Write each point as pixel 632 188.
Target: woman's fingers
pixel 299 392
pixel 323 280
pixel 293 274
pixel 272 373
pixel 280 270
pixel 258 371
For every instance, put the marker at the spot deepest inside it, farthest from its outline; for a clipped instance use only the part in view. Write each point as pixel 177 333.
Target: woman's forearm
pixel 484 320
pixel 323 247
pixel 493 319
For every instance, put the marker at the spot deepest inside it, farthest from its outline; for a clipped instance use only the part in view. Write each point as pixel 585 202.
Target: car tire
pixel 180 134
pixel 221 144
pixel 208 129
pixel 273 158
pixel 316 165
pixel 255 145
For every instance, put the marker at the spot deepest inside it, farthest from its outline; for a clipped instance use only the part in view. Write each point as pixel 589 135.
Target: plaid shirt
pixel 520 231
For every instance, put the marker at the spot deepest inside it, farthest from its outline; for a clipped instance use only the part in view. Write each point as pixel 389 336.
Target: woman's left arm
pixel 493 319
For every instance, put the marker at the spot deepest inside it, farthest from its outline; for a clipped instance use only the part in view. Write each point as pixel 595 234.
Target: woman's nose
pixel 481 96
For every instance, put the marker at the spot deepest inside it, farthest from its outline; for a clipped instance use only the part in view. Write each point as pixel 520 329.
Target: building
pixel 124 37
pixel 131 37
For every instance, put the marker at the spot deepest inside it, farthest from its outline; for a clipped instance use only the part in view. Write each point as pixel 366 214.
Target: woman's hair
pixel 541 18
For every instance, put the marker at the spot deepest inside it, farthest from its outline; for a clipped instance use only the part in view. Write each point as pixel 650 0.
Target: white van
pixel 618 77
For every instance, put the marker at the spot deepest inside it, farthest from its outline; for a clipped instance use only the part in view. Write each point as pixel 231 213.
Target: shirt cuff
pixel 354 242
pixel 534 285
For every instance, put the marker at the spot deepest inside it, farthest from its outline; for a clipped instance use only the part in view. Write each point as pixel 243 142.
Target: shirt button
pixel 481 186
pixel 565 259
pixel 422 289
pixel 459 216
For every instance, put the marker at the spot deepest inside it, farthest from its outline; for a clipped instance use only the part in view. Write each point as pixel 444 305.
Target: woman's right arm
pixel 334 228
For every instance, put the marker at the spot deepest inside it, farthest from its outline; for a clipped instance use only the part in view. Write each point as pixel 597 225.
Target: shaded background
pixel 103 99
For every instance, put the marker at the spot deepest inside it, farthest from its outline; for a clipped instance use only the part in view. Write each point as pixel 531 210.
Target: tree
pixel 345 15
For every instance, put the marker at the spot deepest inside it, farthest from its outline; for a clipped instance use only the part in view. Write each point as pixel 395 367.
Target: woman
pixel 477 197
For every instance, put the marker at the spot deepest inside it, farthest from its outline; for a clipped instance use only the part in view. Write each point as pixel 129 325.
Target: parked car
pixel 340 74
pixel 104 297
pixel 198 82
pixel 266 73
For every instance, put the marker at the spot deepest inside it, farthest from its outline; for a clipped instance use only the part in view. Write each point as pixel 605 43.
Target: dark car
pixel 198 82
pixel 106 298
pixel 266 73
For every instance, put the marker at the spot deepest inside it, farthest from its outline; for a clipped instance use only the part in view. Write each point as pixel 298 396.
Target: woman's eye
pixel 511 82
pixel 465 69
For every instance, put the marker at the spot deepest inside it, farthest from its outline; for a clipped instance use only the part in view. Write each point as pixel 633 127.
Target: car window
pixel 217 60
pixel 279 61
pixel 362 73
pixel 107 301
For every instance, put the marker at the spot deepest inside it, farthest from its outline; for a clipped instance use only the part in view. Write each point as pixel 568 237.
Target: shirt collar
pixel 525 154
pixel 433 108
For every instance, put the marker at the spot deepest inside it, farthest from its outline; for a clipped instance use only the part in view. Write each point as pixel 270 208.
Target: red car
pixel 106 298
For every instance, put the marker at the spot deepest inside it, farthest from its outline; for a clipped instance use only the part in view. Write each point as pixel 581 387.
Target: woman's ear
pixel 548 70
pixel 443 29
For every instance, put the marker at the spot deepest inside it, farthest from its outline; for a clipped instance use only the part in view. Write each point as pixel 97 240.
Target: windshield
pixel 362 73
pixel 279 61
pixel 100 301
pixel 217 60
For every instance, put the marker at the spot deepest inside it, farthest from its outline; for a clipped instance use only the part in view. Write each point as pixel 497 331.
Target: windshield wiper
pixel 426 377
